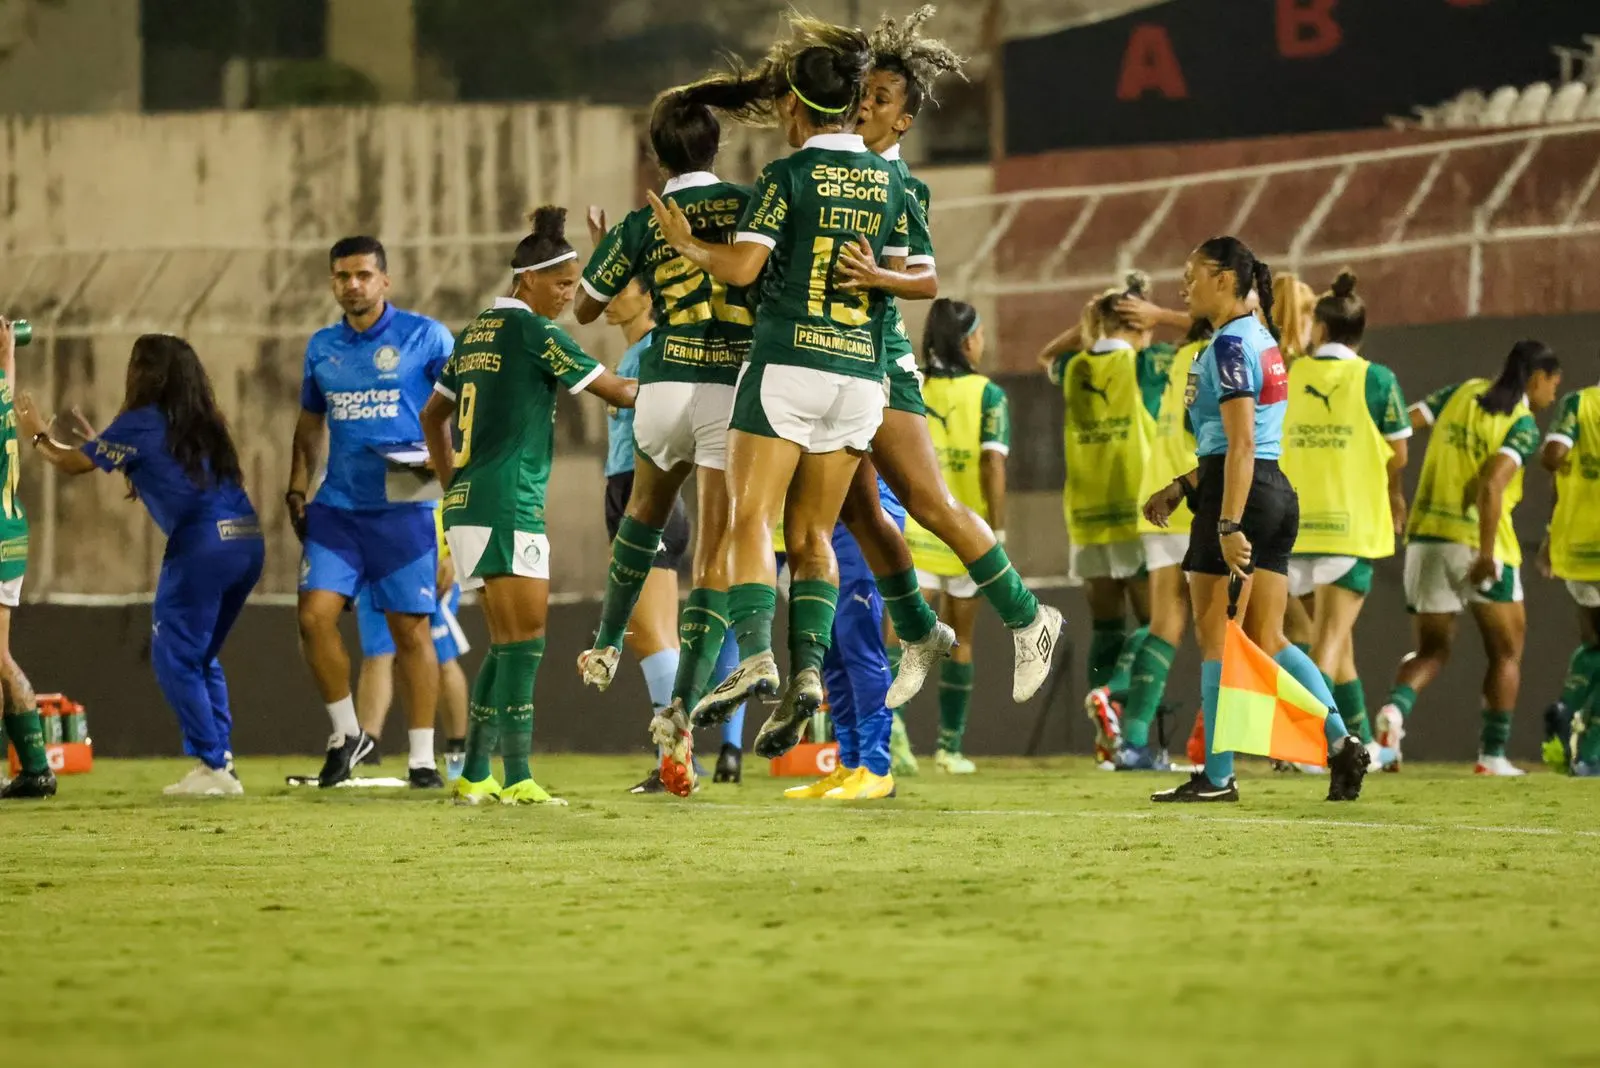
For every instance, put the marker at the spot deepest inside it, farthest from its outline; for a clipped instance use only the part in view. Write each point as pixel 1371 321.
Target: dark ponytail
pixel 1231 254
pixel 1342 314
pixel 684 133
pixel 950 323
pixel 1508 390
pixel 826 65
pixel 546 242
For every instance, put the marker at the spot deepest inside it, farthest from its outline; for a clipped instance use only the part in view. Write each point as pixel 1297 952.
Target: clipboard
pixel 407 479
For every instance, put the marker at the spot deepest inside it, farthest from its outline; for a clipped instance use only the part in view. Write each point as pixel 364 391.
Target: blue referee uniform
pixel 371 386
pixel 212 561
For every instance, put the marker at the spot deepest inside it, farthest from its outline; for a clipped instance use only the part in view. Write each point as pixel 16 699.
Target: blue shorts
pixel 392 551
pixel 449 641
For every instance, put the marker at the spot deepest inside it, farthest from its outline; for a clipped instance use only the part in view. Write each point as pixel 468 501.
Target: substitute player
pixel 500 388
pixel 366 379
pixel 20 715
pixel 969 420
pixel 1461 548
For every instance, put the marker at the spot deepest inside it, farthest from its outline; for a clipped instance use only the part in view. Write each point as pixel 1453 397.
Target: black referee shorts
pixel 1271 519
pixel 674 537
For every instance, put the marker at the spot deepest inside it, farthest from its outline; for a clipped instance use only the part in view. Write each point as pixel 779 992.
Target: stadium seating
pixel 1573 97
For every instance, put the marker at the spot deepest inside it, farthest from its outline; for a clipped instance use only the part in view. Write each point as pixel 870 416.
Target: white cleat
pixel 1497 766
pixel 1391 730
pixel 597 667
pixel 916 660
pixel 755 677
pixel 1035 648
pixel 205 782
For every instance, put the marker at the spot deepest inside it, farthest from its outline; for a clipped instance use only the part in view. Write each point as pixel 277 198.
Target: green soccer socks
pixel 1496 733
pixel 812 605
pixel 751 606
pixel 632 552
pixel 483 723
pixel 955 702
pixel 1105 645
pixel 1147 683
pixel 913 617
pixel 999 582
pixel 26 731
pixel 516 670
pixel 1351 698
pixel 702 625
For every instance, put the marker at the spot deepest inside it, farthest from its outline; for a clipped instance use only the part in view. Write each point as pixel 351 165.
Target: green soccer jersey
pixel 704 325
pixel 920 247
pixel 807 207
pixel 13 523
pixel 503 378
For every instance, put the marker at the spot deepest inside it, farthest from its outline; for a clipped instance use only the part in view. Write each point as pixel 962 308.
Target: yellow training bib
pixel 1171 445
pixel 1108 433
pixel 1337 460
pixel 955 423
pixel 1575 527
pixel 1464 436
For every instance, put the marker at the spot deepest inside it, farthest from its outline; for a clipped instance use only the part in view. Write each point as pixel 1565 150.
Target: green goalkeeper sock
pixel 1122 673
pixel 1404 698
pixel 26 731
pixel 912 615
pixel 1582 669
pixel 1003 587
pixel 955 701
pixel 1148 682
pixel 702 626
pixel 751 606
pixel 812 606
pixel 514 679
pixel 632 552
pixel 1105 645
pixel 1496 732
pixel 483 724
pixel 1351 698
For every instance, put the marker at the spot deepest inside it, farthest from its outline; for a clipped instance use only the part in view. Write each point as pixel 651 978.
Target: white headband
pixel 563 258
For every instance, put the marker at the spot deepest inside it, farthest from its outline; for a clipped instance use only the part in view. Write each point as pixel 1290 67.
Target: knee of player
pixel 313 621
pixel 808 547
pixel 410 633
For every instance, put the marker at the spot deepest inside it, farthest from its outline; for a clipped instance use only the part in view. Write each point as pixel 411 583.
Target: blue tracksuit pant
pixel 856 667
pixel 203 585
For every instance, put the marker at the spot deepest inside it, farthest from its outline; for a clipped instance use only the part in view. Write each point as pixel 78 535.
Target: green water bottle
pixel 22 331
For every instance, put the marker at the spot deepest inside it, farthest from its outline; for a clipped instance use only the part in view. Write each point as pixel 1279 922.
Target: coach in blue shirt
pixel 366 379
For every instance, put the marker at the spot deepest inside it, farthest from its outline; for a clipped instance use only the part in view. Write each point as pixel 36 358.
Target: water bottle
pixel 22 330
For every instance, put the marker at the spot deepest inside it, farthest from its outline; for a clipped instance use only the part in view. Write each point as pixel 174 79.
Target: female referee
pixel 173 446
pixel 1246 513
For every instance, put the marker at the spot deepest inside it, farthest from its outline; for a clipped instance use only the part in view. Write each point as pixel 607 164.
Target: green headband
pixel 810 104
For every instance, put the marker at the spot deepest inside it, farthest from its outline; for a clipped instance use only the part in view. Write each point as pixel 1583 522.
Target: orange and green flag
pixel 1263 710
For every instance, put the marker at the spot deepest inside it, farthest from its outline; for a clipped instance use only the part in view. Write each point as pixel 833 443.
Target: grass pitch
pixel 1037 913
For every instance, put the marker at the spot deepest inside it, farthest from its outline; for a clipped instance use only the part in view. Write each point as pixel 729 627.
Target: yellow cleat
pixel 813 791
pixel 862 785
pixel 528 792
pixel 465 792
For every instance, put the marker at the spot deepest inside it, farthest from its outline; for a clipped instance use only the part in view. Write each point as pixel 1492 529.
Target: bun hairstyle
pixel 1136 284
pixel 684 133
pixel 899 48
pixel 546 245
pixel 1511 386
pixel 1342 314
pixel 1231 254
pixel 823 64
pixel 950 323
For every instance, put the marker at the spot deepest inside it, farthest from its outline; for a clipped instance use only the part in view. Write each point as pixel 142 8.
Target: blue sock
pixel 1219 766
pixel 727 660
pixel 660 670
pixel 1306 673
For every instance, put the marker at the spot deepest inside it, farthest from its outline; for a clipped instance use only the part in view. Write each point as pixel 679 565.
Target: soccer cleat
pixel 29 785
pixel 801 700
pixel 427 778
pixel 597 667
pixel 1391 731
pixel 528 792
pixel 1556 749
pixel 730 764
pixel 1374 756
pixel 650 784
pixel 372 758
pixel 1348 760
pixel 669 729
pixel 862 785
pixel 344 753
pixel 1035 648
pixel 756 676
pixel 1579 770
pixel 812 791
pixel 1199 789
pixel 1140 758
pixel 916 660
pixel 203 781
pixel 1291 767
pixel 952 763
pixel 466 792
pixel 1497 766
pixel 1106 717
pixel 902 761
pixel 454 765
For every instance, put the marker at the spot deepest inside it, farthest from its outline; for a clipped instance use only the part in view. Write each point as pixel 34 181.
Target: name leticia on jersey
pixel 364 404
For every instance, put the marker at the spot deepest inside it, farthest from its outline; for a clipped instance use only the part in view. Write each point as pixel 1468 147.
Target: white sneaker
pixel 916 660
pixel 1497 766
pixel 1035 648
pixel 1391 730
pixel 756 677
pixel 205 782
pixel 953 763
pixel 597 667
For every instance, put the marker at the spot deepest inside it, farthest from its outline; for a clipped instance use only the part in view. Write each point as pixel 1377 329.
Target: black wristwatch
pixel 1228 526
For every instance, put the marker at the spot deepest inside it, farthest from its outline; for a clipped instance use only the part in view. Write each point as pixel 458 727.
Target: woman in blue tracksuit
pixel 1246 514
pixel 173 446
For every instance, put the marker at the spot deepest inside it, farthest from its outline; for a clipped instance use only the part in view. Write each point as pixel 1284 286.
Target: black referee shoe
pixel 29 784
pixel 1199 788
pixel 344 753
pixel 427 778
pixel 1347 767
pixel 730 764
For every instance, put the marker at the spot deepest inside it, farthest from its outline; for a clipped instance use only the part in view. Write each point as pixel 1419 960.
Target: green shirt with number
pixel 897 341
pixel 807 208
pixel 703 325
pixel 503 376
pixel 13 521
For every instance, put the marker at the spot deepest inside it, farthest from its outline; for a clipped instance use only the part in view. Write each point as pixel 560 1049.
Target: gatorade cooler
pixel 814 759
pixel 66 736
